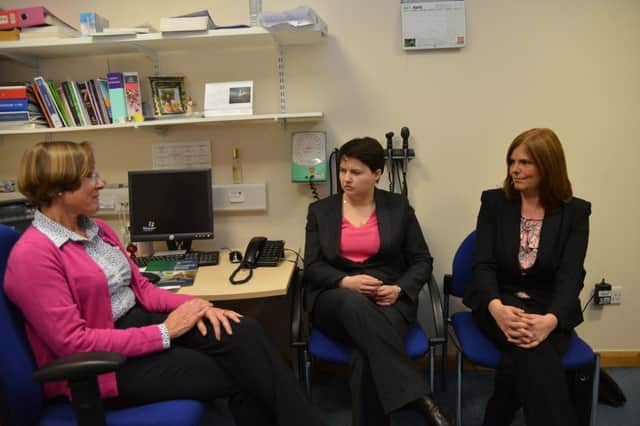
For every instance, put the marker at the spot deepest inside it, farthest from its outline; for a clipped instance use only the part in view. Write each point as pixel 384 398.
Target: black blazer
pixel 403 258
pixel 556 277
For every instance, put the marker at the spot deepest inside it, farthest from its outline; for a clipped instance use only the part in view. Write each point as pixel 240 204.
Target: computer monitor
pixel 175 206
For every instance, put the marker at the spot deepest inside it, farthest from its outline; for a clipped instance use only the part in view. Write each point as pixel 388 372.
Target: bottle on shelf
pixel 236 167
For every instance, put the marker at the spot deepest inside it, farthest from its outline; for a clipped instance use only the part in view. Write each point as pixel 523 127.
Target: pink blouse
pixel 529 242
pixel 359 244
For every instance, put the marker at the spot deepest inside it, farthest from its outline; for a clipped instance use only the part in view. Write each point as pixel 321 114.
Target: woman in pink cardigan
pixel 79 292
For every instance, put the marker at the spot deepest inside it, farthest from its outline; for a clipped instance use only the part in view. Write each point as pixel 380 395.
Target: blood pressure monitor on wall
pixel 309 157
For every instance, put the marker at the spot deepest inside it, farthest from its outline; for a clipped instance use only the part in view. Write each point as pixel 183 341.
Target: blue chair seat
pixel 416 344
pixel 478 349
pixel 167 413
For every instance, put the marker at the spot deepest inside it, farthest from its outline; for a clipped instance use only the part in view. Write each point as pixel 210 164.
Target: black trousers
pixel 530 378
pixel 243 366
pixel 383 378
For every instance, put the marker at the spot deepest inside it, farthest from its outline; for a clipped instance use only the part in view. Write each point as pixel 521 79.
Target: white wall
pixel 572 66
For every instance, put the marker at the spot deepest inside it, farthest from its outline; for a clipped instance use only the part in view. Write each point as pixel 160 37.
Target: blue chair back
pixel 462 268
pixel 24 396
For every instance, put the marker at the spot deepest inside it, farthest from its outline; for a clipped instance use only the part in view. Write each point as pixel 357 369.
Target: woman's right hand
pixel 185 316
pixel 365 284
pixel 510 321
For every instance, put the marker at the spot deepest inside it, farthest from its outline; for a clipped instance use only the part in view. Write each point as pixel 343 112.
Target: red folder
pixel 8 19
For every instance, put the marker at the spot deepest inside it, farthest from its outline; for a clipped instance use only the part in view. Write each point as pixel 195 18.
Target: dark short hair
pixel 547 154
pixel 368 150
pixel 49 168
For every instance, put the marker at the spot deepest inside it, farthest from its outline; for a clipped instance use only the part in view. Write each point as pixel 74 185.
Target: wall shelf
pixel 281 118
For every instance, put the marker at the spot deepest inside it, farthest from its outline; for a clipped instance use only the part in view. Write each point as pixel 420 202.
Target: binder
pixel 8 19
pixel 37 16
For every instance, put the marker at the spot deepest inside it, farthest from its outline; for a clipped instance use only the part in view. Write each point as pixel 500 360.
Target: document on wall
pixel 181 155
pixel 432 24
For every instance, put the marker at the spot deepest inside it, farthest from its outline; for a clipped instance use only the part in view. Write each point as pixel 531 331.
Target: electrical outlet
pixel 616 295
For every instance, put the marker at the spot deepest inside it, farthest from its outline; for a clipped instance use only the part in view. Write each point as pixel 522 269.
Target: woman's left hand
pixel 218 317
pixel 539 326
pixel 387 295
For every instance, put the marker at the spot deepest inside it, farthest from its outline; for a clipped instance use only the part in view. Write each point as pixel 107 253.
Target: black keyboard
pixel 205 258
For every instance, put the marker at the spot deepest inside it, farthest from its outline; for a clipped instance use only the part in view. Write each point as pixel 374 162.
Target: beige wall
pixel 571 65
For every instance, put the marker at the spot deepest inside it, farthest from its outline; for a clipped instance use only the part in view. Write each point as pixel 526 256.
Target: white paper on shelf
pixel 301 18
pixel 181 155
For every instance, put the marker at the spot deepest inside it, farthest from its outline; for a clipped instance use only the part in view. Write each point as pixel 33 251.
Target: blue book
pixel 47 100
pixel 14 116
pixel 115 83
pixel 11 105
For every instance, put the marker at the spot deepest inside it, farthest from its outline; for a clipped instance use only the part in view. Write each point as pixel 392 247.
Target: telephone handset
pixel 259 252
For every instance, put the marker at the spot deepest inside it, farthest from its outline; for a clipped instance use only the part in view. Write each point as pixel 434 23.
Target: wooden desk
pixel 212 282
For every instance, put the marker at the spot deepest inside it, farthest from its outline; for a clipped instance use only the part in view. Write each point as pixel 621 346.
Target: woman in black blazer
pixel 365 262
pixel 528 271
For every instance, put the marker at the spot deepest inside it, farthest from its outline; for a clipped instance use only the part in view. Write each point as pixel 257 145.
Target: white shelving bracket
pixel 30 61
pixel 281 66
pixel 152 55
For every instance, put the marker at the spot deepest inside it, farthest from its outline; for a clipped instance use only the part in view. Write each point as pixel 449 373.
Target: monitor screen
pixel 170 205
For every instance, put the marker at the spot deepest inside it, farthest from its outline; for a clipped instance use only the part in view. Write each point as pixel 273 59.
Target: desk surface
pixel 212 282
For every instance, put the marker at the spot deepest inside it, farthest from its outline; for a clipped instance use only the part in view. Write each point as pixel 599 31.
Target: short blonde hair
pixel 546 152
pixel 49 168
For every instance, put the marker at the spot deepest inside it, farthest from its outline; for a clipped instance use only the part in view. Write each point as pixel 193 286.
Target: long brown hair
pixel 547 154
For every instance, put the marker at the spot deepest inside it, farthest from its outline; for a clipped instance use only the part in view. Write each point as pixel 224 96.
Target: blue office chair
pixel 24 398
pixel 478 349
pixel 319 346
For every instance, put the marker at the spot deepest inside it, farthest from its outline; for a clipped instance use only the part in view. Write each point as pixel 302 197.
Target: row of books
pixel 92 102
pixel 19 108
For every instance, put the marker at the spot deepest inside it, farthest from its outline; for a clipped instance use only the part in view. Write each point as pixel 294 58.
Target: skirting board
pixel 607 359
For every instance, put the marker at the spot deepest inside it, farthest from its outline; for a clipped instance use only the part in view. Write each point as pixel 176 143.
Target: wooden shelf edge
pixel 258 118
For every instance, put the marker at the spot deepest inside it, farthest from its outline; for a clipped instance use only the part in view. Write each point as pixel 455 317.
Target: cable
pixel 588 302
pixel 314 190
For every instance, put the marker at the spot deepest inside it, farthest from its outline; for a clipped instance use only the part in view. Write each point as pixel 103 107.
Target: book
pixel 47 31
pixel 174 272
pixel 58 103
pixel 47 99
pixel 94 101
pixel 15 115
pixel 73 107
pixel 64 104
pixel 85 97
pixel 97 94
pixel 133 96
pixel 8 105
pixel 123 31
pixel 196 21
pixel 10 35
pixel 36 93
pixel 104 95
pixel 91 22
pixel 115 83
pixel 13 92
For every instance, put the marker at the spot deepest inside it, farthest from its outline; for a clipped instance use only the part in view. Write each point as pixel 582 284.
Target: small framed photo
pixel 229 98
pixel 168 96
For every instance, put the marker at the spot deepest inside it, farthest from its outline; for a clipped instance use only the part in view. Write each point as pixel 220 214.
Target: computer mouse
pixel 154 278
pixel 235 256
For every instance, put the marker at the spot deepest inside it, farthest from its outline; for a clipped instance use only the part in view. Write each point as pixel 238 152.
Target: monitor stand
pixel 179 245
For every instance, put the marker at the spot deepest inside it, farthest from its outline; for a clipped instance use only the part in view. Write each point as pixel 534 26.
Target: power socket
pixel 616 295
pixel 602 293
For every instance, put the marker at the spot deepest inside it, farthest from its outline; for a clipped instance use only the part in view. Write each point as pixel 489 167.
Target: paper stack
pixel 301 18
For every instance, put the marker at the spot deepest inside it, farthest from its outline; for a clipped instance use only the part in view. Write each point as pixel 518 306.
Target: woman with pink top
pixel 79 292
pixel 365 262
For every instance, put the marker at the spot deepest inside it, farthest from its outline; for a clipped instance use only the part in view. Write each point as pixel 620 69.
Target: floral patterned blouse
pixel 529 241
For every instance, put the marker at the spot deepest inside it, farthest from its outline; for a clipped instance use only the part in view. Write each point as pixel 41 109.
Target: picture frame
pixel 228 98
pixel 168 95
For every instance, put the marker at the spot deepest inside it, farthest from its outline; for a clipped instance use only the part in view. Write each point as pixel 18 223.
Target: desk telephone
pixel 259 252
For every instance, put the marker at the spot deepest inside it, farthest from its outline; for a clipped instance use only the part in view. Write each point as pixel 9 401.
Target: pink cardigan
pixel 64 297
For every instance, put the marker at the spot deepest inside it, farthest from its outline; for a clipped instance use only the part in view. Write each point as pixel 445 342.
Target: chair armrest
pixel 297 310
pixel 436 310
pixel 79 366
